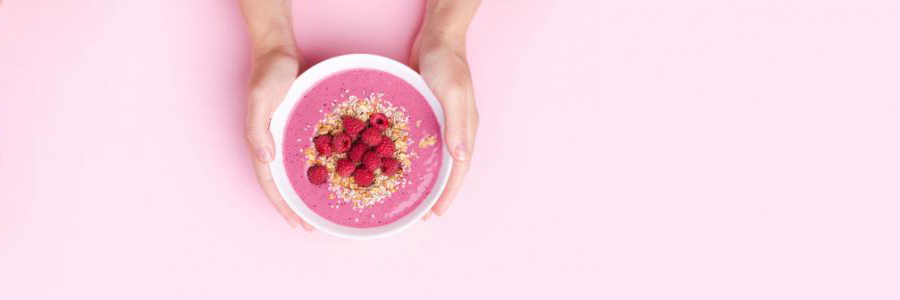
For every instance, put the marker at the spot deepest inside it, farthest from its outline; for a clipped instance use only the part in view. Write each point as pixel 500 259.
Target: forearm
pixel 448 20
pixel 269 26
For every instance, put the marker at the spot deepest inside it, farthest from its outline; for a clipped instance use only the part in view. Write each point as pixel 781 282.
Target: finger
pixel 460 167
pixel 257 132
pixel 473 121
pixel 264 176
pixel 306 226
pixel 261 144
pixel 453 99
pixel 457 174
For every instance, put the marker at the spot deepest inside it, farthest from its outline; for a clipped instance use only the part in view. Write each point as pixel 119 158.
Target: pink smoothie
pixel 321 99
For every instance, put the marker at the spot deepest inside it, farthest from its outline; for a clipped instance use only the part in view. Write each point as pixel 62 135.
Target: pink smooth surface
pixel 414 183
pixel 628 150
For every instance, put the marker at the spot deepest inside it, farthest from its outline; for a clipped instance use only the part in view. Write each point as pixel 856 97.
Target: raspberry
pixel 352 125
pixel 386 148
pixel 345 167
pixel 317 174
pixel 371 136
pixel 390 165
pixel 371 160
pixel 363 177
pixel 379 121
pixel 323 144
pixel 341 142
pixel 357 151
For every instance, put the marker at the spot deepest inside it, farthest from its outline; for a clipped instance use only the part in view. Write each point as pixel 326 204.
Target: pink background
pixel 628 150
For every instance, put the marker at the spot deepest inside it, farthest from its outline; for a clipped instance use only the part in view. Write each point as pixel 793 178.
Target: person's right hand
pixel 271 76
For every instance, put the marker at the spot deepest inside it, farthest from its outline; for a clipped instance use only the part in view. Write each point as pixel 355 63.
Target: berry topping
pixel 380 121
pixel 345 167
pixel 317 174
pixel 371 136
pixel 386 148
pixel 352 125
pixel 390 165
pixel 341 142
pixel 357 151
pixel 371 160
pixel 363 177
pixel 323 144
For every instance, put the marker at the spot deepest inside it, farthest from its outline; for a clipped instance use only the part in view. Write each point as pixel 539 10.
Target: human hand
pixel 441 60
pixel 271 76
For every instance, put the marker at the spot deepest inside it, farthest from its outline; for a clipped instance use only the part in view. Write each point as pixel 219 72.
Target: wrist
pixel 443 35
pixel 449 19
pixel 272 36
pixel 445 25
pixel 261 49
pixel 438 38
pixel 269 27
pixel 269 50
pixel 438 32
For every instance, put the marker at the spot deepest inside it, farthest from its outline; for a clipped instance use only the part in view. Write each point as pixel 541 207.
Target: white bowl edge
pixel 279 120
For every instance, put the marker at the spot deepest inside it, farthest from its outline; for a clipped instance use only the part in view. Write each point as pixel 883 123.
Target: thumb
pixel 257 132
pixel 453 100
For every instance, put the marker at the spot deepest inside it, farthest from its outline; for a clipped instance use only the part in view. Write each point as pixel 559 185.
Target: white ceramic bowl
pixel 279 121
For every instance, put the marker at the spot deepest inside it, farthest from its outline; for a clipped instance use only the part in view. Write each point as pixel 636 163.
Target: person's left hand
pixel 442 63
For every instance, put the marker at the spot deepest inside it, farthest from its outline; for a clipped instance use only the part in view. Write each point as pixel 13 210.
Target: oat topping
pixel 428 141
pixel 345 189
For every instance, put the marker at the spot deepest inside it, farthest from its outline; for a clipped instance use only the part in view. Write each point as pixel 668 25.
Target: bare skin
pixel 439 54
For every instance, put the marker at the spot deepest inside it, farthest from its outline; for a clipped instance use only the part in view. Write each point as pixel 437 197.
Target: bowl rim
pixel 294 96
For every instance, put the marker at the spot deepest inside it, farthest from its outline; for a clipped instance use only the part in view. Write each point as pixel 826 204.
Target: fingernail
pixel 264 155
pixel 307 227
pixel 460 152
pixel 426 216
